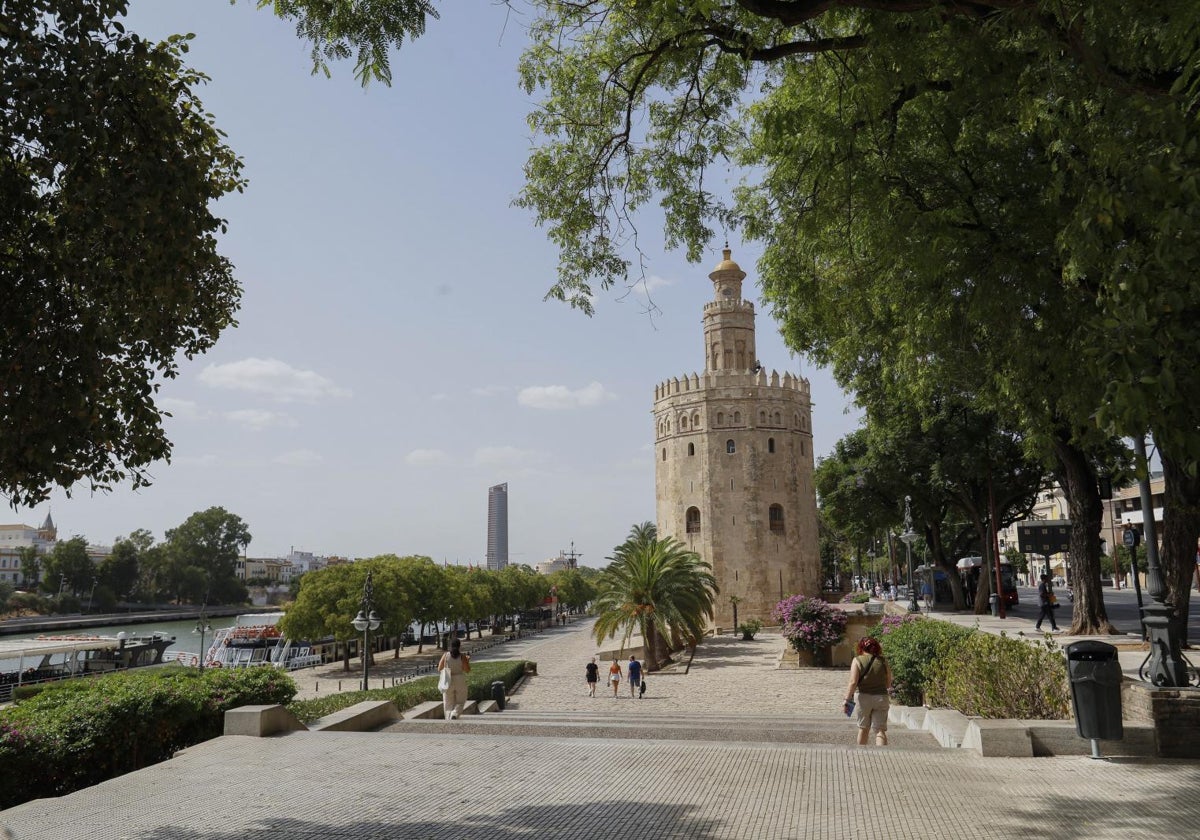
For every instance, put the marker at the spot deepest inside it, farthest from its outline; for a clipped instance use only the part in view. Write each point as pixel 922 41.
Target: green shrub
pixel 750 627
pixel 998 677
pixel 81 732
pixel 479 687
pixel 912 647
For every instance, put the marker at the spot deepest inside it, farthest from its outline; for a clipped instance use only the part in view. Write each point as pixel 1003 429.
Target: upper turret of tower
pixel 728 321
pixel 727 278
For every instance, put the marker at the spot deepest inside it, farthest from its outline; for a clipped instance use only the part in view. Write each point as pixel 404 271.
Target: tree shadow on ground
pixel 603 818
pixel 732 652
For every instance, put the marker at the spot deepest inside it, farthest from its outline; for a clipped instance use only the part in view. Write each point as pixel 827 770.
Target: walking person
pixel 592 675
pixel 635 675
pixel 459 665
pixel 871 678
pixel 614 676
pixel 1047 600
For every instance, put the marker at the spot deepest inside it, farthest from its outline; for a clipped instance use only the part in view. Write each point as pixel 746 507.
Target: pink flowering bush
pixel 890 622
pixel 810 623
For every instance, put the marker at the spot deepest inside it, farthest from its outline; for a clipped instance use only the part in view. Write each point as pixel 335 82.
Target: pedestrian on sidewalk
pixel 593 675
pixel 635 675
pixel 614 676
pixel 459 665
pixel 1047 600
pixel 871 678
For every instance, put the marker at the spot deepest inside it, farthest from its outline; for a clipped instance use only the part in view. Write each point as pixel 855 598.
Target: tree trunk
pixel 1180 532
pixel 345 656
pixel 1078 479
pixel 948 566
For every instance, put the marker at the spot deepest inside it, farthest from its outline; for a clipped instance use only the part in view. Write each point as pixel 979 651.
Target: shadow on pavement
pixel 600 819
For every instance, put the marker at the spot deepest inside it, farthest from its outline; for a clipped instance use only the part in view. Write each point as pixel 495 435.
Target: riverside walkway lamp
pixel 910 536
pixel 366 621
pixel 202 627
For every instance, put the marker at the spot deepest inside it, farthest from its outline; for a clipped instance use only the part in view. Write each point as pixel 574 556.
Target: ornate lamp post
pixel 366 621
pixel 1166 666
pixel 202 627
pixel 910 536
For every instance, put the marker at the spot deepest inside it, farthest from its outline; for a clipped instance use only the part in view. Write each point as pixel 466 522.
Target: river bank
pixel 55 623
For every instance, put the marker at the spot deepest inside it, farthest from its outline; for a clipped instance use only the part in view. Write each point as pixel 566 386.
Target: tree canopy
pixel 109 166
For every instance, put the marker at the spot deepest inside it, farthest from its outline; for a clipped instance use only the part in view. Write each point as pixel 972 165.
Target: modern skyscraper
pixel 497 532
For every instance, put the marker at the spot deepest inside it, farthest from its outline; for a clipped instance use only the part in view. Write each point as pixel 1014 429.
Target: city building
pixel 14 538
pixel 734 462
pixel 497 527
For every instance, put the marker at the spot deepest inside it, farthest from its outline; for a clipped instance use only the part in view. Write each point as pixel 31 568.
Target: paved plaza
pixel 477 779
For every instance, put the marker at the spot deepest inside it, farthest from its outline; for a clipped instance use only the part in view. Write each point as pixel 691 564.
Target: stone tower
pixel 733 462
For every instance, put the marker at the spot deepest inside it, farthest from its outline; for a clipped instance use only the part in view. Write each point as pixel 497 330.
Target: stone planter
pixel 807 659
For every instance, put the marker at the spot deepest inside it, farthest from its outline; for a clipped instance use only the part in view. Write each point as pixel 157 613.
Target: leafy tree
pixel 328 601
pixel 119 570
pixel 204 550
pixel 31 566
pixel 657 587
pixel 427 585
pixel 68 567
pixel 109 166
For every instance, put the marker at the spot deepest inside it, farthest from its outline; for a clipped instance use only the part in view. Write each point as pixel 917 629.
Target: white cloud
pixel 506 456
pixel 425 456
pixel 181 409
pixel 558 397
pixel 298 458
pixel 194 460
pixel 258 419
pixel 271 378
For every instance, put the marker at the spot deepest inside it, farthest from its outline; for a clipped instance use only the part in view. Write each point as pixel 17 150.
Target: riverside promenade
pixel 477 778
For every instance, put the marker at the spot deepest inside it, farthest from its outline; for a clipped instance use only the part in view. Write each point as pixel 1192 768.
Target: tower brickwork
pixel 734 463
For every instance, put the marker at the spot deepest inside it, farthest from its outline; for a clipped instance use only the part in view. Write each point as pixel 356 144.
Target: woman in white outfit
pixel 459 665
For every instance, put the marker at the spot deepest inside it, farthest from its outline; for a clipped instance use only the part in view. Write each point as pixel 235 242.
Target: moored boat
pixel 255 640
pixel 50 658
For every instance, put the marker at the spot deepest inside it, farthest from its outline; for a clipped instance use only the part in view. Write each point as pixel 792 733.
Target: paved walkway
pixel 478 783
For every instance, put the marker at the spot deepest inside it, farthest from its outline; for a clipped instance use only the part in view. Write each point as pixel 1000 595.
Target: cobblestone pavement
pixel 481 784
pixel 725 675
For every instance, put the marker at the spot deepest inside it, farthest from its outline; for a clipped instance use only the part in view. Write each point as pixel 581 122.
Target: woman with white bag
pixel 454 667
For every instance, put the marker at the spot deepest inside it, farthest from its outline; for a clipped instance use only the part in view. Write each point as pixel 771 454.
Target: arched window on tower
pixel 762 418
pixel 664 453
pixel 737 417
pixel 770 444
pixel 691 449
pixel 683 422
pixel 696 420
pixel 693 520
pixel 730 448
pixel 778 418
pixel 775 518
pixel 720 418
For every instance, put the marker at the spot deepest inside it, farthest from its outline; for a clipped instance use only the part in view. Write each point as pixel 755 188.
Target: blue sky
pixel 394 356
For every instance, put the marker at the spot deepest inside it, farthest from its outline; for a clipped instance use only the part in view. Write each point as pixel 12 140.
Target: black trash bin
pixel 1095 676
pixel 498 694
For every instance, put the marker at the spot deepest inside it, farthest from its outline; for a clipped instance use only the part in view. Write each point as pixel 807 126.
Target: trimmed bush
pixel 810 623
pixel 479 687
pixel 857 598
pixel 997 677
pixel 911 647
pixel 81 732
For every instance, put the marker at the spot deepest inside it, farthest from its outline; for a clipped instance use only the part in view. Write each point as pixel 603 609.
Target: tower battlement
pixel 710 380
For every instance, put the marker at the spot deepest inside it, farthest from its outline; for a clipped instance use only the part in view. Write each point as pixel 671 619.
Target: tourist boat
pixel 255 640
pixel 48 658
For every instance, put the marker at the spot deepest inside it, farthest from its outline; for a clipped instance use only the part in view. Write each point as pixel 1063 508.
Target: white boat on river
pixel 49 658
pixel 255 640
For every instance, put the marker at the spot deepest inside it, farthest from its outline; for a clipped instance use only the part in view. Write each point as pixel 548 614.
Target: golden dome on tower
pixel 727 263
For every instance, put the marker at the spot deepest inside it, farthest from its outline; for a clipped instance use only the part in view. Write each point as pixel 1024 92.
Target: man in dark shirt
pixel 593 673
pixel 635 675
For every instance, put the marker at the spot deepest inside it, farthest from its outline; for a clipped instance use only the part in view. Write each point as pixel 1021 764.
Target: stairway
pixel 625 723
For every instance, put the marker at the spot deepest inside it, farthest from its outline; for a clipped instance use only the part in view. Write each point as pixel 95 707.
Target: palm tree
pixel 657 587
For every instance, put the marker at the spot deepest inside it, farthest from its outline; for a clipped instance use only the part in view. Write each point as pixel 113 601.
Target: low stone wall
pixel 1173 712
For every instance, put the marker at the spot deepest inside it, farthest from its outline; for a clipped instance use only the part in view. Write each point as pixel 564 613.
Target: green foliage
pixel 82 732
pixel 993 676
pixel 29 602
pixel 913 648
pixel 363 29
pixel 750 627
pixel 68 568
pixel 109 168
pixel 657 587
pixel 409 694
pixel 6 592
pixel 204 551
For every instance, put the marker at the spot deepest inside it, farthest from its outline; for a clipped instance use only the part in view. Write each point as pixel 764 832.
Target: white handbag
pixel 444 678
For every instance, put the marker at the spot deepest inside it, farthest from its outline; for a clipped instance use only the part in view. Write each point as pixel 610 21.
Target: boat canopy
pixel 31 648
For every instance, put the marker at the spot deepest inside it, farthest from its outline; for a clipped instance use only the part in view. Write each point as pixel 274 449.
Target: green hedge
pixel 479 687
pixel 997 677
pixel 81 732
pixel 912 647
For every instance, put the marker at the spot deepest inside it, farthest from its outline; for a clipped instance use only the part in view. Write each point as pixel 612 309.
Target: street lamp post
pixel 910 536
pixel 366 621
pixel 202 627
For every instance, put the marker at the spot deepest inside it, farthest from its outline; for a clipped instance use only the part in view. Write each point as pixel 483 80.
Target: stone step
pixel 772 731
